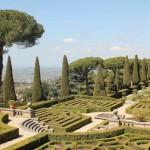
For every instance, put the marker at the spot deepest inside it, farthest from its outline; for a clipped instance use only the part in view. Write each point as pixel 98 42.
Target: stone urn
pixel 12 104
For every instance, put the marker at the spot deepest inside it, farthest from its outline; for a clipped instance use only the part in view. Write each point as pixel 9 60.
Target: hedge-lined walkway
pixel 15 122
pixel 121 111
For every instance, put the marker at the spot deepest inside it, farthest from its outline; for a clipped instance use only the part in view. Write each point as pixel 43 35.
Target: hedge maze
pixel 89 105
pixel 144 107
pixel 125 141
pixel 62 120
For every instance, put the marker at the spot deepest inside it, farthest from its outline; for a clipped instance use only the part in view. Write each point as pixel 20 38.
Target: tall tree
pixel 99 88
pixel 114 63
pixel 37 86
pixel 111 85
pixel 8 85
pixel 17 28
pixel 126 74
pixel 148 76
pixel 65 91
pixel 117 81
pixel 143 71
pixel 83 67
pixel 136 76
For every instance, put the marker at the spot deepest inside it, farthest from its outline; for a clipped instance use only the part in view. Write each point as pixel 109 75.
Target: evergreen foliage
pixel 148 75
pixel 99 87
pixel 37 86
pixel 19 28
pixel 111 85
pixel 83 67
pixel 143 71
pixel 65 91
pixel 126 74
pixel 117 81
pixel 136 76
pixel 8 84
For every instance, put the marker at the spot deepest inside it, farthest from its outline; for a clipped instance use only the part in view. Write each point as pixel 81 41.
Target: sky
pixel 83 28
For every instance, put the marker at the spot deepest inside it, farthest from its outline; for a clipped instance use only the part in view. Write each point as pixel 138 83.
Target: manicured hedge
pixel 30 143
pixel 86 135
pixel 47 103
pixel 117 138
pixel 3 105
pixel 95 97
pixel 135 130
pixel 41 104
pixel 7 132
pixel 62 121
pixel 89 105
pixel 138 107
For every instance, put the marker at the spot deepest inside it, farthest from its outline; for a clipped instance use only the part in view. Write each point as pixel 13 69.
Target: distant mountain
pixel 26 73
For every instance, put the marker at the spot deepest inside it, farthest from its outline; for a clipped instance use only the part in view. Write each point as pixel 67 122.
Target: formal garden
pixel 65 115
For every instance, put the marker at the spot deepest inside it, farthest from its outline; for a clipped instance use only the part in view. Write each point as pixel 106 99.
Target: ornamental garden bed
pixel 62 120
pixel 117 138
pixel 89 105
pixel 144 107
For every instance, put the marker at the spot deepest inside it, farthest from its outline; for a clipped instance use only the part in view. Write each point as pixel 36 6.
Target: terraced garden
pixel 62 120
pixel 139 107
pixel 125 141
pixel 89 105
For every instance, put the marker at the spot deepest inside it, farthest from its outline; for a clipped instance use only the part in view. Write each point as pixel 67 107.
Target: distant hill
pixel 26 73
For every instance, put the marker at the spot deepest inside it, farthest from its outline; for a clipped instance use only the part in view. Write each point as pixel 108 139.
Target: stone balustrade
pixel 28 113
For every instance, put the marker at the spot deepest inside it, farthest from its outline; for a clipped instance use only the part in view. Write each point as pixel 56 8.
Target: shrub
pixel 30 143
pixel 7 132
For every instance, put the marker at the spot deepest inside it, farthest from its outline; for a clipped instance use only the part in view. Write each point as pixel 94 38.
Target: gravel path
pixel 15 122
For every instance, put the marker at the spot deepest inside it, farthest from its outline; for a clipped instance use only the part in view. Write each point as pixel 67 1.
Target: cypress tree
pixel 8 84
pixel 117 80
pixel 143 71
pixel 65 91
pixel 136 77
pixel 126 74
pixel 99 89
pixel 37 87
pixel 148 76
pixel 111 85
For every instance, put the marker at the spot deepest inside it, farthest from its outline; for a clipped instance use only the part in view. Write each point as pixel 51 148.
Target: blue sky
pixel 83 28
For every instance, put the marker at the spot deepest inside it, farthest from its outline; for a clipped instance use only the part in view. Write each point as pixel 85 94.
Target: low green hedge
pixel 94 97
pixel 86 135
pixel 101 139
pixel 138 107
pixel 7 132
pixel 30 143
pixel 48 103
pixel 145 100
pixel 135 130
pixel 3 105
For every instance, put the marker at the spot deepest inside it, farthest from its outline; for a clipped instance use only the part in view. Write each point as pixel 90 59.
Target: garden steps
pixel 36 126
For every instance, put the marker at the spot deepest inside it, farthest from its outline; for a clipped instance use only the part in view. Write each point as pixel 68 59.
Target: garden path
pixel 121 111
pixel 15 122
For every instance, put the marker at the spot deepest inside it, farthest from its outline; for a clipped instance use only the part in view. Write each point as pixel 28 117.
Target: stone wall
pixel 28 113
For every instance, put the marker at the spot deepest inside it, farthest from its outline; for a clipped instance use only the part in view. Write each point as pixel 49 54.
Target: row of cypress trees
pixel 37 94
pixel 135 77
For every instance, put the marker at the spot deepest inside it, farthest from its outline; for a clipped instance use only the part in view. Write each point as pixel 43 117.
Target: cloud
pixel 70 40
pixel 116 48
pixel 121 48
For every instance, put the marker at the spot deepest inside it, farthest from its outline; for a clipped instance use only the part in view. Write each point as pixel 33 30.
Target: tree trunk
pixel 87 86
pixel 1 62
